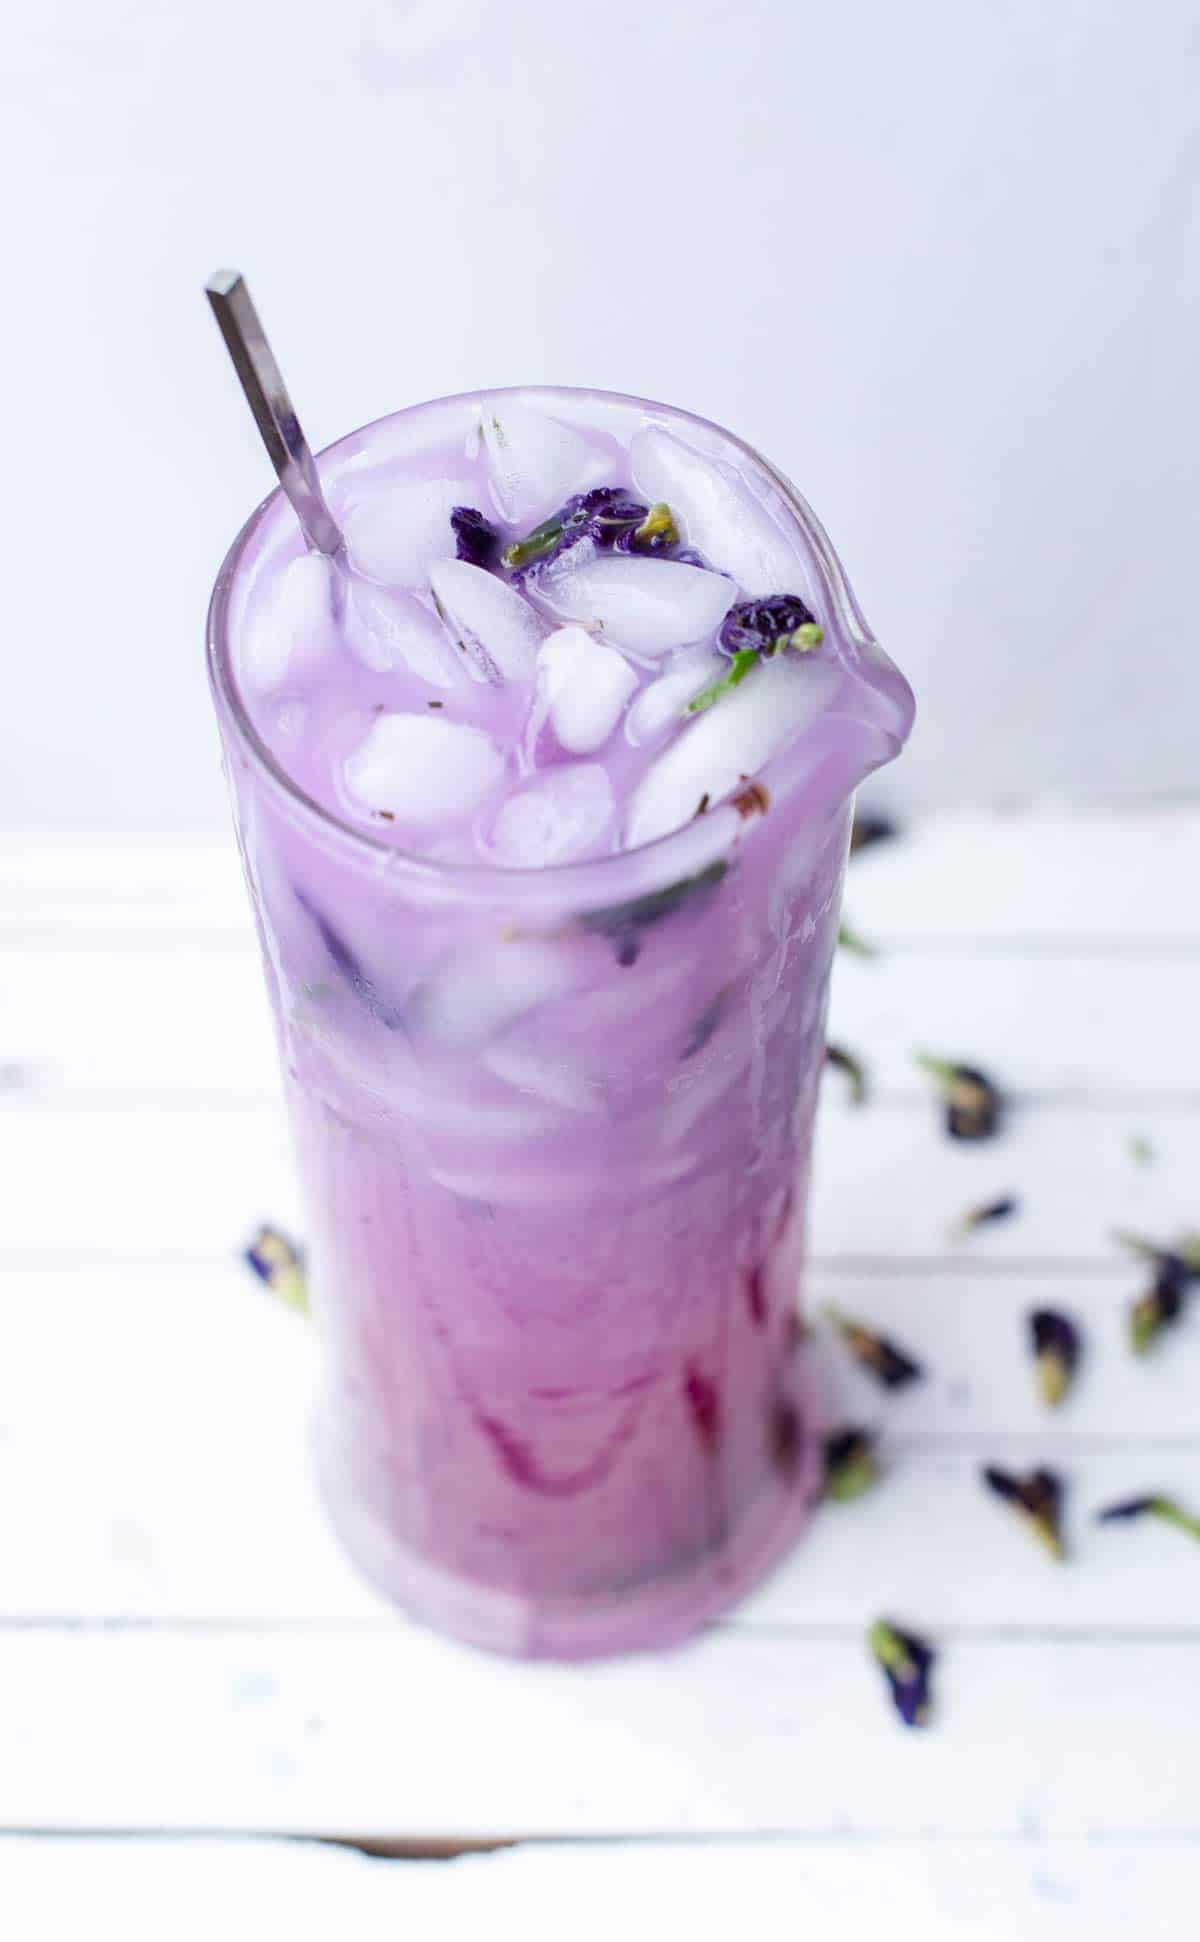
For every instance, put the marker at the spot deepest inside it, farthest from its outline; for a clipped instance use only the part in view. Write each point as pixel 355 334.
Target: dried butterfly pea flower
pixel 843 1061
pixel 475 538
pixel 867 830
pixel 1037 1498
pixel 279 1263
pixel 850 1467
pixel 1174 1271
pixel 987 1212
pixel 1164 1508
pixel 1056 1342
pixel 907 1662
pixel 769 626
pixel 884 1359
pixel 974 1106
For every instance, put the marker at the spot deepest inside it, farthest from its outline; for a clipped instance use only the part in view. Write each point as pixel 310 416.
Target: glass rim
pixel 686 848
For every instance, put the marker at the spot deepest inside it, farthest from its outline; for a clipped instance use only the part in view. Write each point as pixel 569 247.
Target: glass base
pixel 661 1613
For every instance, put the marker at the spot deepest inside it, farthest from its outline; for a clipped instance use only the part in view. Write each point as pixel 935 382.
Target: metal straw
pixel 274 413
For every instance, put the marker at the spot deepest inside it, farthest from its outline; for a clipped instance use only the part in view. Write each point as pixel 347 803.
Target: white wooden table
pixel 184 1652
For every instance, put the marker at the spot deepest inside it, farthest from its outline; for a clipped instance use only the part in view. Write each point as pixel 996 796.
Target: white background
pixel 938 259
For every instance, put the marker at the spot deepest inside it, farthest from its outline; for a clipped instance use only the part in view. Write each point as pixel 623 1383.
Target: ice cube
pixel 536 461
pixel 720 514
pixel 583 686
pixel 482 991
pixel 730 740
pixel 395 534
pixel 291 625
pixel 646 605
pixel 423 772
pixel 390 630
pixel 489 619
pixel 662 705
pixel 555 1080
pixel 559 817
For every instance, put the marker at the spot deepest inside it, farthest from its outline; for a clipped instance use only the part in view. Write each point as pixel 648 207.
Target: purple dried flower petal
pixel 974 1106
pixel 475 538
pixel 884 1359
pixel 1164 1508
pixel 907 1662
pixel 1056 1344
pixel 850 1467
pixel 1038 1497
pixel 279 1263
pixel 766 626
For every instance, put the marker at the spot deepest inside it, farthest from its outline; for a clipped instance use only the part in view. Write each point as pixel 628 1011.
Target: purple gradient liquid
pixel 553 1125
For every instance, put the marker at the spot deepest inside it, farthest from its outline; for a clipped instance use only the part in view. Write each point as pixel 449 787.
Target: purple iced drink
pixel 543 793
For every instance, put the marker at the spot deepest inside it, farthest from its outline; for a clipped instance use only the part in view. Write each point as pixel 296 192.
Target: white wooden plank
pixel 379 1734
pixel 1117 875
pixel 141 1510
pixel 966 1891
pixel 76 882
pixel 185 1182
pixel 195 1019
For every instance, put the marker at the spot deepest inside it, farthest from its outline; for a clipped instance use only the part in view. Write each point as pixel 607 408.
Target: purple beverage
pixel 543 794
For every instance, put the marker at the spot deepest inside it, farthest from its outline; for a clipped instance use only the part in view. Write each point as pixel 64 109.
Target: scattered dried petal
pixel 867 830
pixel 1164 1508
pixel 850 1467
pixel 986 1212
pixel 851 940
pixel 884 1359
pixel 843 1061
pixel 1037 1497
pixel 280 1264
pixel 1141 1151
pixel 906 1662
pixel 1175 1270
pixel 974 1106
pixel 1056 1344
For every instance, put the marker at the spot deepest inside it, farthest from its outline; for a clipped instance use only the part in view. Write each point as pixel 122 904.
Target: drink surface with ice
pixel 544 791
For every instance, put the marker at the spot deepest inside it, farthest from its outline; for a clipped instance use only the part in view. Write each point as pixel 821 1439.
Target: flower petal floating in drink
pixel 1164 1508
pixel 974 1106
pixel 1056 1343
pixel 907 1663
pixel 475 538
pixel 1037 1498
pixel 890 1365
pixel 279 1263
